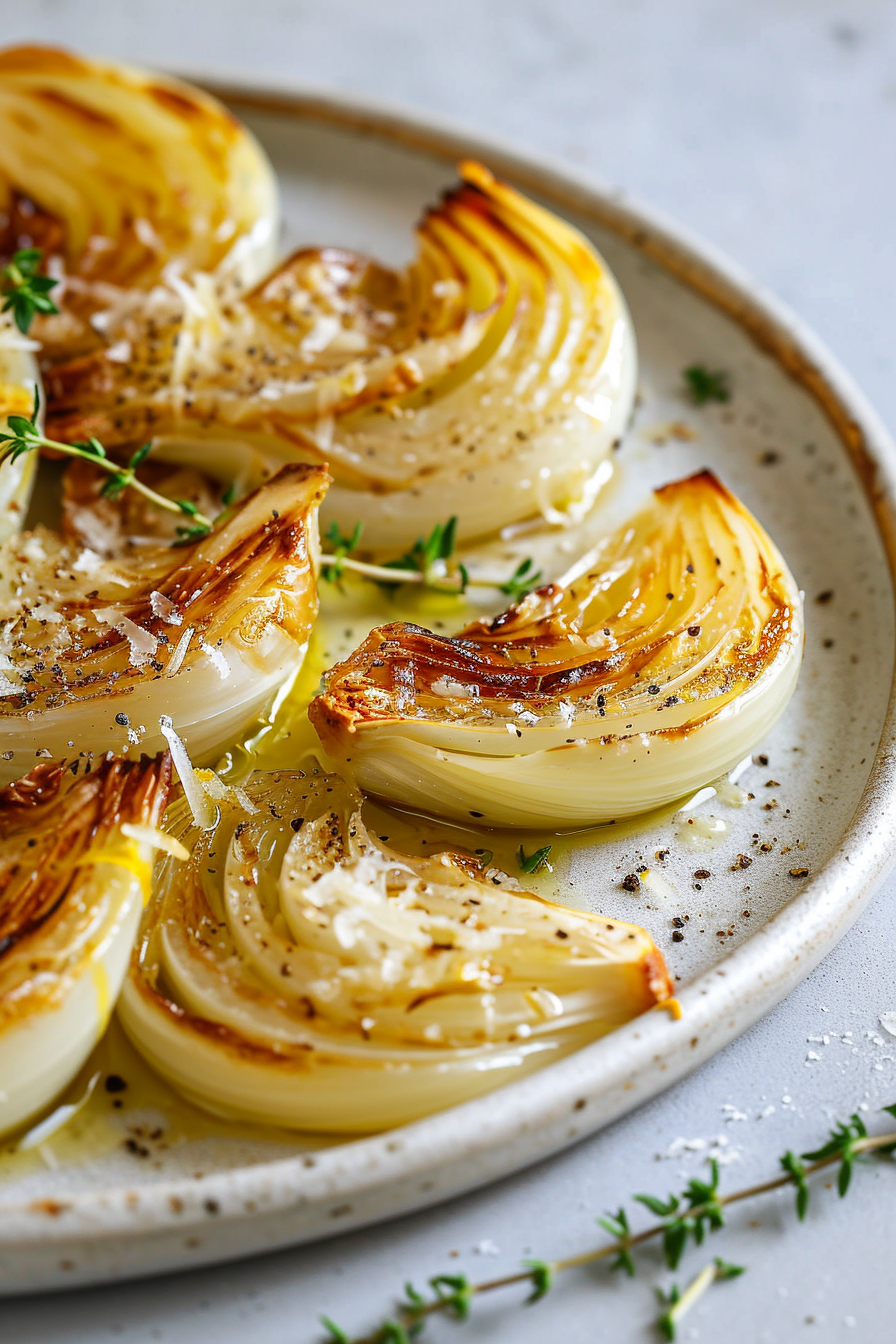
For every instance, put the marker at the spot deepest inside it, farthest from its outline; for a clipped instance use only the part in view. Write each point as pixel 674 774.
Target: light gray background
pixel 770 127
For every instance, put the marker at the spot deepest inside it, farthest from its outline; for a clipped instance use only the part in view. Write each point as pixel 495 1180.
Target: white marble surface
pixel 770 127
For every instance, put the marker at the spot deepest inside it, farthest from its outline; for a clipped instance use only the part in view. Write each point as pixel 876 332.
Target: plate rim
pixel 127 1230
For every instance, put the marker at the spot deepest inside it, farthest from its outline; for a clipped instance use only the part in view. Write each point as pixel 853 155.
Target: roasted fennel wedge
pixel 488 380
pixel 117 174
pixel 94 652
pixel 297 971
pixel 654 666
pixel 76 854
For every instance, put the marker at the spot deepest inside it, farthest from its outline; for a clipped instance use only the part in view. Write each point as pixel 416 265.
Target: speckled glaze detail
pixel 813 803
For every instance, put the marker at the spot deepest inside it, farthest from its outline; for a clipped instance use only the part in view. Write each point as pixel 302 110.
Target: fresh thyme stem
pixel 382 573
pixel 680 1303
pixel 453 1294
pixel 431 562
pixel 114 469
pixel 638 1239
pixel 23 435
pixel 449 583
pixel 749 1192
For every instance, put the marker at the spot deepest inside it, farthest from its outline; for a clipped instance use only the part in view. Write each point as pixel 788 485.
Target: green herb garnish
pixel 698 1210
pixel 523 579
pixel 530 863
pixel 25 290
pixel 23 435
pixel 705 385
pixel 342 546
pixel 429 557
pixel 431 562
pixel 678 1303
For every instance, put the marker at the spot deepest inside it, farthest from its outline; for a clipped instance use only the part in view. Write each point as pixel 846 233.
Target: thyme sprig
pixel 25 291
pixel 689 1216
pixel 428 562
pixel 431 562
pixel 23 435
pixel 432 558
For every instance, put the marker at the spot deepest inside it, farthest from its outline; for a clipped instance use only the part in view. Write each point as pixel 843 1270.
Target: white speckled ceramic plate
pixel 801 447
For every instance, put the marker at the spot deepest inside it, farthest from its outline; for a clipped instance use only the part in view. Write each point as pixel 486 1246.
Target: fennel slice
pixel 297 971
pixel 94 652
pixel 661 660
pixel 72 886
pixel 488 380
pixel 156 177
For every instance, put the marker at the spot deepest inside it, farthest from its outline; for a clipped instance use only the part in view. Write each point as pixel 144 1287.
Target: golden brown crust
pixel 659 982
pixel 388 313
pixel 543 650
pixel 157 168
pixel 232 580
pixel 53 816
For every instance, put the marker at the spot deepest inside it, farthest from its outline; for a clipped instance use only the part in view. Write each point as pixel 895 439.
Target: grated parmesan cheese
pixel 165 609
pixel 205 814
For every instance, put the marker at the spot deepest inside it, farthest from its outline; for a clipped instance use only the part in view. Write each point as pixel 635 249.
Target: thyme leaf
pixel 542 1276
pixel 523 579
pixel 795 1169
pixel 842 1145
pixel 666 1322
pixel 724 1270
pixel 530 863
pixel 454 1293
pixel 335 1332
pixel 704 385
pixel 25 291
pixel 342 546
pixel 429 557
pixel 617 1226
